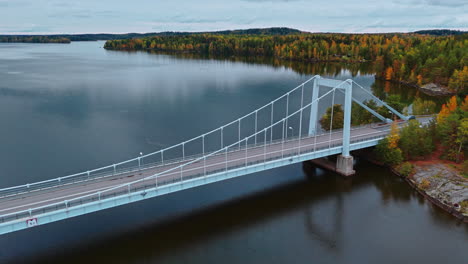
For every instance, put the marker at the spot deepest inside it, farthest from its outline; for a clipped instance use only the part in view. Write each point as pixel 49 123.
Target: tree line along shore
pixel 410 58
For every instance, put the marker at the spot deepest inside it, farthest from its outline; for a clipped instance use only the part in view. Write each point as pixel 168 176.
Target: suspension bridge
pixel 263 139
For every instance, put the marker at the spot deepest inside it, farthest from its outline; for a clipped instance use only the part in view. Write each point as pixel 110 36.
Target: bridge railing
pixel 155 177
pixel 130 164
pixel 136 164
pixel 190 164
pixel 122 172
pixel 189 167
pixel 165 179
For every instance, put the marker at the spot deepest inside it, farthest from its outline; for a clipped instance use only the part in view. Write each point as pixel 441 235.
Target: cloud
pixel 63 16
pixel 444 3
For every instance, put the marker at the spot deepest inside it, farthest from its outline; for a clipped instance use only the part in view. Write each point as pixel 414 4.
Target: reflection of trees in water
pixel 321 68
pixel 330 239
pixel 382 89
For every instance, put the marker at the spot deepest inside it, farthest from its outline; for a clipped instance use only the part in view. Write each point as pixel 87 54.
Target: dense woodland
pixel 34 39
pixel 449 134
pixel 105 36
pixel 410 58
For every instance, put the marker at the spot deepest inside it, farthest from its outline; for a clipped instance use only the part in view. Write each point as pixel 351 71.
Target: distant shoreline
pixel 34 39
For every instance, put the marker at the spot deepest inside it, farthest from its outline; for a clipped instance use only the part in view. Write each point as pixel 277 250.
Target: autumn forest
pixel 408 58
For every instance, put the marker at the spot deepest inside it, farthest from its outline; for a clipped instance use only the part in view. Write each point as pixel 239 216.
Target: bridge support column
pixel 314 107
pixel 344 163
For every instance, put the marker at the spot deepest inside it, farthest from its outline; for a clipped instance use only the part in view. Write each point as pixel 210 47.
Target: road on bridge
pixel 215 163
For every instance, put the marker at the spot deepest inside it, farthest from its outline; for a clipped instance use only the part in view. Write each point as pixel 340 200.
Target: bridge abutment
pixel 344 165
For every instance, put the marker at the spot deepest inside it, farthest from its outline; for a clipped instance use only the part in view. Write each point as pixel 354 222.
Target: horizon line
pixel 19 33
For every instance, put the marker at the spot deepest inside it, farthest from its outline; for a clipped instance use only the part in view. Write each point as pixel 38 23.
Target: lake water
pixel 68 108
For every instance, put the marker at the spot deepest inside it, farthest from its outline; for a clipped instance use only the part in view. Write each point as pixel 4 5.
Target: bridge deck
pixel 215 163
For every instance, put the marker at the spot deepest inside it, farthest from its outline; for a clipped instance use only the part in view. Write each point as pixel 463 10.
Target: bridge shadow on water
pixel 305 194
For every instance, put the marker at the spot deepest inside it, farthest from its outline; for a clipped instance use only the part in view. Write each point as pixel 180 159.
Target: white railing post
pixel 181 173
pixel 287 112
pixel 255 134
pixel 239 134
pixel 204 166
pixel 315 141
pixel 225 158
pixel 183 151
pixel 162 157
pixel 264 145
pixel 222 143
pixel 300 121
pixel 139 163
pixel 246 139
pixel 282 141
pixel 271 122
pixel 203 145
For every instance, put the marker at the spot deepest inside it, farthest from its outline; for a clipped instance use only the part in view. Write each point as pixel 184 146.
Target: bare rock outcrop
pixel 444 184
pixel 435 90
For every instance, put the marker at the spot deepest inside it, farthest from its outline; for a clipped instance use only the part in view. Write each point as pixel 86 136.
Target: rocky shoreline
pixel 439 184
pixel 442 186
pixel 430 89
pixel 435 90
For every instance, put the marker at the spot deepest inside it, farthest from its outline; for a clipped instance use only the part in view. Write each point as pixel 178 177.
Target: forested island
pixel 410 58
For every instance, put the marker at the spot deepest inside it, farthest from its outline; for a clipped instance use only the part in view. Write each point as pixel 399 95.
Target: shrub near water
pixel 388 155
pixel 411 142
pixel 405 169
pixel 465 169
pixel 415 141
pixel 425 184
pixel 452 128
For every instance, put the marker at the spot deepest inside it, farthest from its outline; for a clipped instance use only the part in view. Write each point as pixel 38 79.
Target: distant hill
pixel 104 36
pixel 33 39
pixel 63 38
pixel 259 31
pixel 440 32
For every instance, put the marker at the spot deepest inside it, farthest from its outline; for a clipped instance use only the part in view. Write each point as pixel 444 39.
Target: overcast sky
pixel 116 16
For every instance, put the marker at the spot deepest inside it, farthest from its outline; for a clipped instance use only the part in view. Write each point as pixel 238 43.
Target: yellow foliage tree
pixel 464 105
pixel 394 136
pixel 389 74
pixel 452 104
pixel 459 79
pixel 444 112
pixel 419 78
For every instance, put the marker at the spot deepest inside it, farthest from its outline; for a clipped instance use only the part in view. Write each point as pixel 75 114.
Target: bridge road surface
pixel 214 163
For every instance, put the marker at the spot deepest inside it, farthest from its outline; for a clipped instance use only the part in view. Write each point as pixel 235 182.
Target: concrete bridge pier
pixel 344 165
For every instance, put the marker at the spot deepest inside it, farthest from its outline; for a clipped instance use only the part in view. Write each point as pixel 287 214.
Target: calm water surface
pixel 67 108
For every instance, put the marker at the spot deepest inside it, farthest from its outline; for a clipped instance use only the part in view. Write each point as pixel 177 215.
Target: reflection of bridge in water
pixel 276 138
